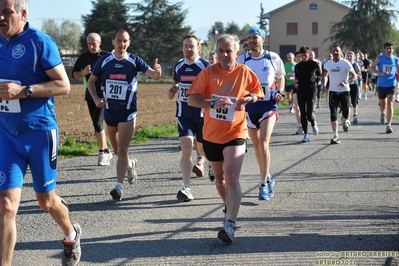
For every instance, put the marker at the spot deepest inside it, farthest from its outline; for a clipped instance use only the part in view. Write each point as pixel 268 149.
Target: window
pixel 315 28
pixel 316 52
pixel 313 6
pixel 292 28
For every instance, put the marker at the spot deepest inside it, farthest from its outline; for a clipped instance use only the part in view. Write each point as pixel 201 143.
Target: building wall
pixel 326 15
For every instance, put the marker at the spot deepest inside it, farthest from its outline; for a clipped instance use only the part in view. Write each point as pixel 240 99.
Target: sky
pixel 201 14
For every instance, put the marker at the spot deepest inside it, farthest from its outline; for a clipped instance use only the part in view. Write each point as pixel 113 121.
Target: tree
pixel 158 26
pixel 217 28
pixel 366 27
pixel 233 28
pixel 50 27
pixel 65 35
pixel 69 35
pixel 262 23
pixel 107 16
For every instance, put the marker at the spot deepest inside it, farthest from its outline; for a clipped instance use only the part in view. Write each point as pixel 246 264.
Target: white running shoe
pixel 198 169
pixel 132 172
pixel 185 194
pixel 104 158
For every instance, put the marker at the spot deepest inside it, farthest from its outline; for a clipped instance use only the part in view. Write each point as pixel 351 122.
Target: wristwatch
pixel 28 92
pixel 282 93
pixel 212 104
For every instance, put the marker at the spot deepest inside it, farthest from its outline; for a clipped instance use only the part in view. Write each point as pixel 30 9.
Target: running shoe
pixel 389 130
pixel 132 172
pixel 318 106
pixel 72 251
pixel 299 131
pixel 210 174
pixel 382 118
pixel 397 99
pixel 355 120
pixel 270 185
pixel 365 96
pixel 345 124
pixel 305 138
pixel 104 158
pixel 263 192
pixel 315 129
pixel 335 140
pixel 198 169
pixel 185 194
pixel 292 110
pixel 227 233
pixel 116 193
pixel 266 190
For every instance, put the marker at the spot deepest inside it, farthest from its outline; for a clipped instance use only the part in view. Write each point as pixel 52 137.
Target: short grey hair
pixel 20 5
pixel 229 37
pixel 94 35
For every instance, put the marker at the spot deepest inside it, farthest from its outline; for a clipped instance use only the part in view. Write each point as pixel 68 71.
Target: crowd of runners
pixel 219 104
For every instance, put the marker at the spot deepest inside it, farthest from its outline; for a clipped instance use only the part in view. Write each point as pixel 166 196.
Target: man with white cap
pixel 262 115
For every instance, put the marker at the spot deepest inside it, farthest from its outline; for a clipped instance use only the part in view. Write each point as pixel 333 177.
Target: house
pixel 304 23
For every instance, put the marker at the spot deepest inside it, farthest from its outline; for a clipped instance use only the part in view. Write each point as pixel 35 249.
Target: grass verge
pixel 70 148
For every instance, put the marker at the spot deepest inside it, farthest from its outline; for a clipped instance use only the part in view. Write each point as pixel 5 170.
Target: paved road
pixel 333 204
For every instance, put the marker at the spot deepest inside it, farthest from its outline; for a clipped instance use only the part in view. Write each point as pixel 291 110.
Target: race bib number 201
pixel 116 89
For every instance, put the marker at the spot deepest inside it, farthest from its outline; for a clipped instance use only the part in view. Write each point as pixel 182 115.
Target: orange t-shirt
pixel 225 124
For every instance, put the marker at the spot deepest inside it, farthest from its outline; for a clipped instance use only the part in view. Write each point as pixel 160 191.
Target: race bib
pixel 266 91
pixel 224 114
pixel 388 68
pixel 10 106
pixel 182 93
pixel 116 89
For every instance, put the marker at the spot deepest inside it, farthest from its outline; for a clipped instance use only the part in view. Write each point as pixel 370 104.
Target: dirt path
pixel 154 108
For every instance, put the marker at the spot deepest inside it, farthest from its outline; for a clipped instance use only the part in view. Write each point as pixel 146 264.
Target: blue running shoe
pixel 270 185
pixel 266 190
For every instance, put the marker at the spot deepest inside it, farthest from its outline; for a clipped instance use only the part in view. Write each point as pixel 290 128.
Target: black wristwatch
pixel 212 104
pixel 281 93
pixel 28 92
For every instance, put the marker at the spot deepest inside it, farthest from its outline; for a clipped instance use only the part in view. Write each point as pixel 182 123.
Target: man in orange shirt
pixel 223 90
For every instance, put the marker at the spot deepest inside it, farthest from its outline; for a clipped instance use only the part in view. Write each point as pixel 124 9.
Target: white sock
pixel 200 159
pixel 120 185
pixel 72 236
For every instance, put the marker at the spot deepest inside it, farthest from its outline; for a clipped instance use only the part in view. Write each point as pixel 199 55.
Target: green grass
pixel 396 113
pixel 70 148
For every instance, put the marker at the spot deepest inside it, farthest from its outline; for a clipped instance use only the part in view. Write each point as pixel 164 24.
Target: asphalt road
pixel 335 204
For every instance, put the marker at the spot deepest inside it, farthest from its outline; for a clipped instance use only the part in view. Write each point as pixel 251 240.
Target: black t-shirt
pixel 304 71
pixel 85 59
pixel 366 63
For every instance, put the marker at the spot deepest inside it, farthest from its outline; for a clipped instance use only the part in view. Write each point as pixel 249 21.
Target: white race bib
pixel 388 68
pixel 10 106
pixel 116 89
pixel 266 91
pixel 224 114
pixel 182 93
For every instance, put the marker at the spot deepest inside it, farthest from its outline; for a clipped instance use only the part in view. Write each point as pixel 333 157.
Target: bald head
pixel 93 42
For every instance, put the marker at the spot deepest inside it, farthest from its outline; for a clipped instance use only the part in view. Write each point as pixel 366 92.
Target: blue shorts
pixel 38 149
pixel 114 117
pixel 254 120
pixel 190 127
